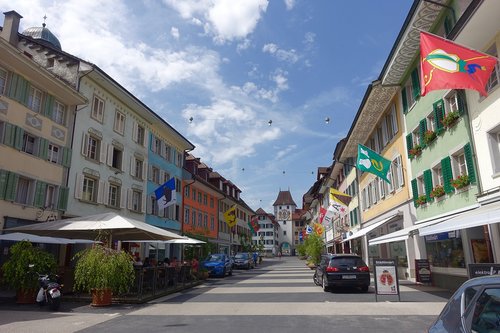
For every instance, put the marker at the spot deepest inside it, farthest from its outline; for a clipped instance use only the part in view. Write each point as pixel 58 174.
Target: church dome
pixel 44 34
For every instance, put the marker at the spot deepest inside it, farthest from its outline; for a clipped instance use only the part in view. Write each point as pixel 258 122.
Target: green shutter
pixel 10 189
pixel 447 174
pixel 18 142
pixel 11 90
pixel 40 190
pixel 409 142
pixel 66 160
pixel 438 115
pixel 428 184
pixel 422 129
pixel 43 149
pixel 4 175
pixel 415 82
pixel 22 90
pixel 462 102
pixel 10 135
pixel 469 159
pixel 405 101
pixel 62 202
pixel 48 106
pixel 415 191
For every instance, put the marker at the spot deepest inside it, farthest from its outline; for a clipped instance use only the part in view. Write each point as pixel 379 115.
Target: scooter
pixel 49 292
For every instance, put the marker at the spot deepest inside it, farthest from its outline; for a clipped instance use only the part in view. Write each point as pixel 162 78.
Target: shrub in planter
pixel 422 199
pixel 429 136
pixel 460 181
pixel 450 119
pixel 415 151
pixel 17 272
pixel 102 268
pixel 437 191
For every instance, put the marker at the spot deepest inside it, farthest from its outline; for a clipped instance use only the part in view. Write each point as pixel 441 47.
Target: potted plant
pixel 429 136
pixel 450 119
pixel 18 274
pixel 460 181
pixel 422 199
pixel 102 272
pixel 415 151
pixel 437 191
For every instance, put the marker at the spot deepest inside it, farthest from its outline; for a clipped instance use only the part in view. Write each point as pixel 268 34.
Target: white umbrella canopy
pixel 92 227
pixel 20 236
pixel 182 240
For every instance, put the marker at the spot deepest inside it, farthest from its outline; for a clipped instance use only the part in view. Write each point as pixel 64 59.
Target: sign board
pixel 476 270
pixel 386 277
pixel 309 230
pixel 423 269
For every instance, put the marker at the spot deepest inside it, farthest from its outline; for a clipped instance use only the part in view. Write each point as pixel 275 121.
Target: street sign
pixel 309 230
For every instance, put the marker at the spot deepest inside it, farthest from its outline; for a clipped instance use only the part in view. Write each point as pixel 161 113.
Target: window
pixel 59 113
pixel 155 175
pixel 3 80
pixel 50 197
pixel 193 218
pixel 138 166
pixel 136 201
pixel 200 197
pixel 211 202
pixel 93 145
pixel 494 143
pixel 53 153
pixel 437 175
pixel 24 191
pixel 411 91
pixel 495 75
pixel 194 194
pixel 168 153
pixel 452 103
pixel 140 135
pixel 114 195
pixel 459 164
pixel 29 143
pixel 186 215
pixel 35 99
pixel 415 134
pixel 431 122
pixel 180 160
pixel 97 109
pixel 200 219
pixel 116 158
pixel 154 205
pixel 205 221
pixel 212 223
pixel 186 191
pixel 485 316
pixel 421 185
pixel 205 199
pixel 178 185
pixel 119 125
pixel 89 189
pixel 156 146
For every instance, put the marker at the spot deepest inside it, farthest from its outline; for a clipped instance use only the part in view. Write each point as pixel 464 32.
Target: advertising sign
pixel 476 270
pixel 423 269
pixel 386 277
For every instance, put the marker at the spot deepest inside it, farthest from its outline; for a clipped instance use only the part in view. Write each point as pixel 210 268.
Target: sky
pixel 250 83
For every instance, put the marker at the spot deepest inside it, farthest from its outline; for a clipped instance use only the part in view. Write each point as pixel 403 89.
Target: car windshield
pixel 241 256
pixel 214 257
pixel 346 261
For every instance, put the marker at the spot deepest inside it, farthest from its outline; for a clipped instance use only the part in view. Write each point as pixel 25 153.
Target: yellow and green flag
pixel 370 161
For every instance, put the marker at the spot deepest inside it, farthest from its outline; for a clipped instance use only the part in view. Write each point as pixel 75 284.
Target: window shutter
pixel 48 106
pixel 11 90
pixel 447 174
pixel 40 189
pixel 414 188
pixel 102 152
pixel 18 142
pixel 394 121
pixel 66 161
pixel 401 179
pixel 415 82
pixel 409 142
pixel 149 206
pixel 143 204
pixel 469 159
pixel 10 189
pixel 428 184
pixel 109 159
pixel 43 150
pixel 62 202
pixel 405 101
pixel 462 102
pixel 4 175
pixel 23 90
pixel 10 134
pixel 134 131
pixel 100 192
pixel 123 198
pixel 79 186
pixel 438 115
pixel 85 142
pixel 129 198
pixel 151 141
pixel 144 170
pixel 422 129
pixel 132 165
pixel 105 193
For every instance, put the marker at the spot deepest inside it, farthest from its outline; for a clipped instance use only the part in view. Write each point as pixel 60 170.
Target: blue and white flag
pixel 165 194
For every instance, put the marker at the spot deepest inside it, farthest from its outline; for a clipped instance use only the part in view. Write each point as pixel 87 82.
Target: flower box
pixel 421 200
pixel 460 182
pixel 415 151
pixel 437 191
pixel 429 136
pixel 450 119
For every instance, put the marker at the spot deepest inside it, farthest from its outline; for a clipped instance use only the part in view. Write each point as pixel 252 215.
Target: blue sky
pixel 233 65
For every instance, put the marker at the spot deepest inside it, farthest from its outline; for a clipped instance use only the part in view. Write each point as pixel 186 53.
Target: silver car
pixel 474 307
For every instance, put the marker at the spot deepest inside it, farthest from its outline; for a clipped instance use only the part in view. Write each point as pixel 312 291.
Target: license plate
pixel 348 277
pixel 55 293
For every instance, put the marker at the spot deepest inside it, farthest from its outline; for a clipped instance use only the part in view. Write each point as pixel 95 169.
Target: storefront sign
pixel 423 269
pixel 476 270
pixel 386 277
pixel 442 236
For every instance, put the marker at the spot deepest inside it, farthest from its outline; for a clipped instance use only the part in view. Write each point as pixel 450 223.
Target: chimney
pixel 11 27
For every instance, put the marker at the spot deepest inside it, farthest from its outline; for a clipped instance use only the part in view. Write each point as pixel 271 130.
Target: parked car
pixel 342 270
pixel 218 264
pixel 474 307
pixel 243 260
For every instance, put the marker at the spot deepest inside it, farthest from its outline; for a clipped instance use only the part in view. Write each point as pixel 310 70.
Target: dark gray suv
pixel 342 270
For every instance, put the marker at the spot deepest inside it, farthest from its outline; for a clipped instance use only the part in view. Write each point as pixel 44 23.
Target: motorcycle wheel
pixel 54 303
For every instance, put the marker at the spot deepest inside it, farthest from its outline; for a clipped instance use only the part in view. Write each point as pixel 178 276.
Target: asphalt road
pixel 277 296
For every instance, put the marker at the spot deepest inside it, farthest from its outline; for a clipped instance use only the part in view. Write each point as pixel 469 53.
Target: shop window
pixel 445 250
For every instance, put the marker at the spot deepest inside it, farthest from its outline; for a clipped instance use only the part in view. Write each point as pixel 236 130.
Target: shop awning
pixel 363 231
pixel 483 215
pixel 403 234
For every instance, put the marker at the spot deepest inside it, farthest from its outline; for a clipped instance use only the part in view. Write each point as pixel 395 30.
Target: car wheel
pixel 364 289
pixel 325 287
pixel 315 279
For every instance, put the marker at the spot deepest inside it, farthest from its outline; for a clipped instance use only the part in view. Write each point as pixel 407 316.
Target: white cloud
pixel 174 32
pixel 245 44
pixel 289 4
pixel 290 56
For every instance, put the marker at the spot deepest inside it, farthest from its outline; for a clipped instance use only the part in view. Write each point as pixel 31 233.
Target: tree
pixel 314 245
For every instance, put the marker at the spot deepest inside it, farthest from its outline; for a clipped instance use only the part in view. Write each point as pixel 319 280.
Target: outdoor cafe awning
pixel 20 236
pixel 363 231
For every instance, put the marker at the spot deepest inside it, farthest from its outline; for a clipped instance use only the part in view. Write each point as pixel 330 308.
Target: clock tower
pixel 284 207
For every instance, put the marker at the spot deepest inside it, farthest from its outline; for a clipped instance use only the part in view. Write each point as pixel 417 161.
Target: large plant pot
pixel 26 296
pixel 101 297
